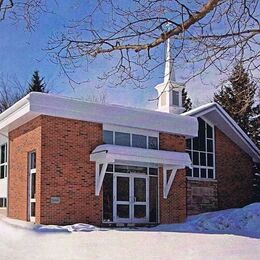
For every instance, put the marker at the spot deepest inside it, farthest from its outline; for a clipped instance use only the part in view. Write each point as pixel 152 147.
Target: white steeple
pixel 170 92
pixel 169 74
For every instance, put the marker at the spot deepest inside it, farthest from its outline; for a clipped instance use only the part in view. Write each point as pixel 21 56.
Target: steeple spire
pixel 169 74
pixel 170 91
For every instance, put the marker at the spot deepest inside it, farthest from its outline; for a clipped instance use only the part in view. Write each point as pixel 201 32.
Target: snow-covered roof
pixel 116 153
pixel 35 104
pixel 214 113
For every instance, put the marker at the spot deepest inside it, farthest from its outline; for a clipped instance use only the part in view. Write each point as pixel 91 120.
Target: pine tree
pixel 237 98
pixel 186 101
pixel 37 84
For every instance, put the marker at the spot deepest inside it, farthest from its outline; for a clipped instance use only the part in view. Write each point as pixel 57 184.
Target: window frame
pixel 199 166
pixel 177 93
pixel 4 204
pixel 4 164
pixel 131 132
pixel 31 171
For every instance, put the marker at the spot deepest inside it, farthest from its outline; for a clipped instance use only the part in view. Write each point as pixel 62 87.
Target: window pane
pixel 195 143
pixel 140 211
pixel 195 158
pixel 33 185
pixel 33 160
pixel 209 131
pixel 123 211
pixel 153 171
pixel 175 98
pixel 140 189
pixel 121 168
pixel 202 137
pixel 130 169
pixel 107 137
pixel 196 172
pixel 139 141
pixel 153 142
pixel 32 209
pixel 210 173
pixel 203 159
pixel 153 199
pixel 122 188
pixel 137 169
pixel 188 144
pixel 122 139
pixel 3 153
pixel 110 168
pixel 2 172
pixel 210 159
pixel 108 198
pixel 210 145
pixel 203 173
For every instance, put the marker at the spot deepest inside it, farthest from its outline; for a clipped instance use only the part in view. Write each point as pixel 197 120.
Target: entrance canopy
pixel 116 153
pixel 170 161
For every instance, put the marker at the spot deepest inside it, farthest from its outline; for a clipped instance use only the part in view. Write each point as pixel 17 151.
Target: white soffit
pixel 220 118
pixel 35 104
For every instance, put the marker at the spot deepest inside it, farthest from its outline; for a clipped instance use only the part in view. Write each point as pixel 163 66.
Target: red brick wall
pixel 234 173
pixel 63 170
pixel 22 141
pixel 68 173
pixel 173 209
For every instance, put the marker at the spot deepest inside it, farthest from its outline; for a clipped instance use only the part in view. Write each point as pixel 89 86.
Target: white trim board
pixel 35 104
pixel 215 114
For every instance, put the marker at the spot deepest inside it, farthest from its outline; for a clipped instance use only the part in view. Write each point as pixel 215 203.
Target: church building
pixel 66 161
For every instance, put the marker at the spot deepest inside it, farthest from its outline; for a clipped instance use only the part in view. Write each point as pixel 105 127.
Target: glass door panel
pixel 140 211
pixel 122 210
pixel 140 189
pixel 140 204
pixel 122 189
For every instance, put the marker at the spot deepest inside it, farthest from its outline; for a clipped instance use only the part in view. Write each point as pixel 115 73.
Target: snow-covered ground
pixel 206 236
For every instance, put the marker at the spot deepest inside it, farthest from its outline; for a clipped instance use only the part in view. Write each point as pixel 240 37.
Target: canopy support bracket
pixel 167 182
pixel 100 177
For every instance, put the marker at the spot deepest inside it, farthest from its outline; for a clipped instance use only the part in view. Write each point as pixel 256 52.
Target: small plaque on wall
pixel 55 200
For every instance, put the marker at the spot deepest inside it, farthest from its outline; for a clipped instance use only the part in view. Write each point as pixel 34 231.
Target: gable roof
pixel 214 113
pixel 35 104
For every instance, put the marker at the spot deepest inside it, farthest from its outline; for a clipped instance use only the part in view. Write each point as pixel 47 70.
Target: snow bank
pixel 70 228
pixel 242 221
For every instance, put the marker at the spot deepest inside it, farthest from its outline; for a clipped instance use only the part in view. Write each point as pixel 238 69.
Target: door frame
pixel 131 201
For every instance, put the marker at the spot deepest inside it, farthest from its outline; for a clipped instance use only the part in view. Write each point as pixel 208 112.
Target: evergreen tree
pixel 186 101
pixel 237 98
pixel 37 84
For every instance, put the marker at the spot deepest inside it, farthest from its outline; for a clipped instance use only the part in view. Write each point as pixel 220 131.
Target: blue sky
pixel 22 52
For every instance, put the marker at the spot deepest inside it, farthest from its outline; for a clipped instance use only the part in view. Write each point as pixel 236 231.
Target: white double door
pixel 131 198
